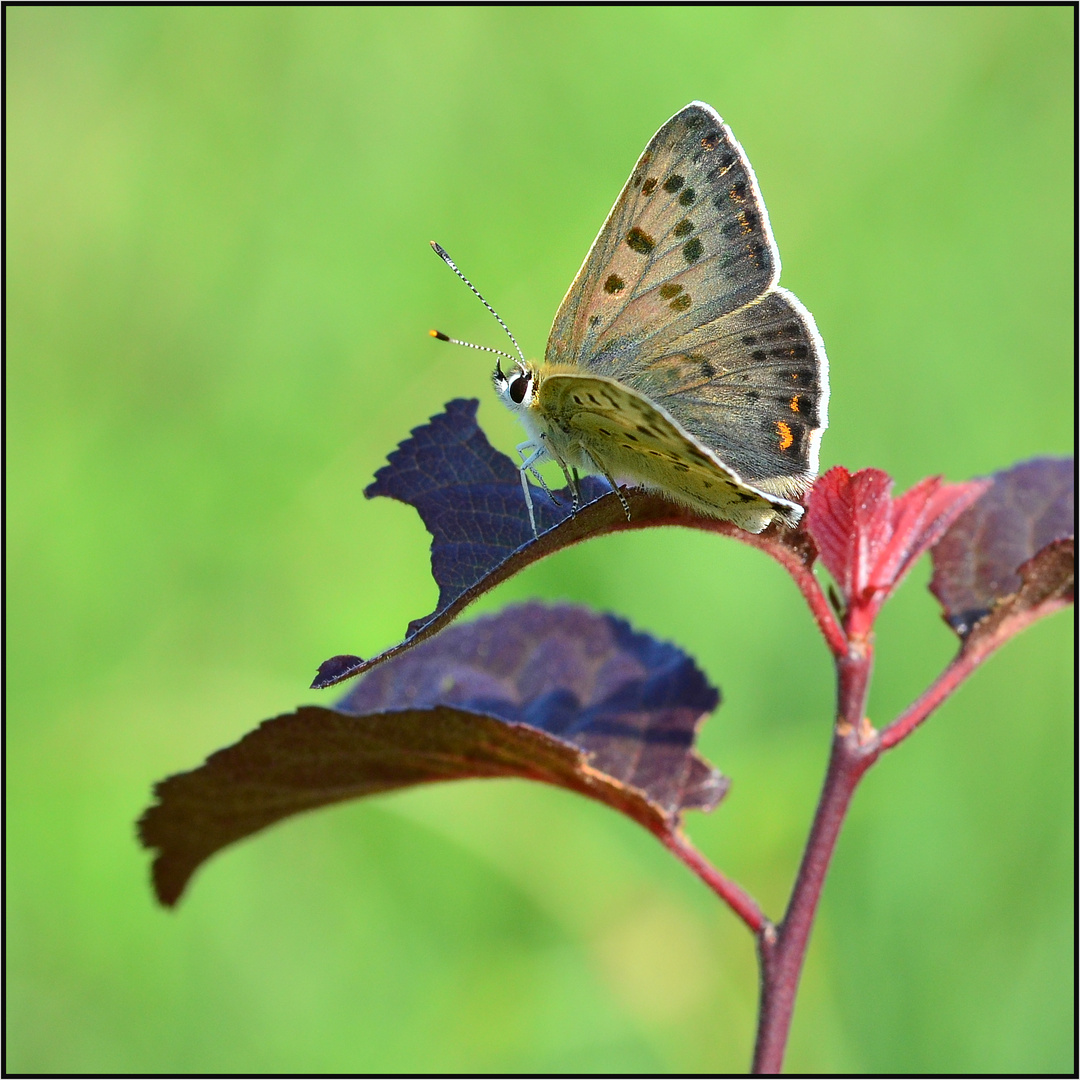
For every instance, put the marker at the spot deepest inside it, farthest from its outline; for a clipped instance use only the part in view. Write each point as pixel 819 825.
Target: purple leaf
pixel 469 497
pixel 560 695
pixel 1009 555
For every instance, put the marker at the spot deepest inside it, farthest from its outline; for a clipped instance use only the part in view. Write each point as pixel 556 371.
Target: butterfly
pixel 675 361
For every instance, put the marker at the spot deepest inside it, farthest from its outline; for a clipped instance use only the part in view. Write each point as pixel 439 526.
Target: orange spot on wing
pixel 786 438
pixel 795 403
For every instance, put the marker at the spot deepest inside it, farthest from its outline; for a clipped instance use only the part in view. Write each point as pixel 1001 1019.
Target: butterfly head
pixel 516 387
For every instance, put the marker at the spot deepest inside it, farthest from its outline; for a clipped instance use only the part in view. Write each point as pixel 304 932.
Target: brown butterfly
pixel 676 361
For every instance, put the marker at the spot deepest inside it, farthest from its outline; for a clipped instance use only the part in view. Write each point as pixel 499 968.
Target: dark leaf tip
pixel 980 562
pixel 336 669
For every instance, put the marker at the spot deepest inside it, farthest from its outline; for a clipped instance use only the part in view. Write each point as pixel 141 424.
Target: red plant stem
pixel 819 606
pixel 782 950
pixel 961 667
pixel 735 897
pixel 808 585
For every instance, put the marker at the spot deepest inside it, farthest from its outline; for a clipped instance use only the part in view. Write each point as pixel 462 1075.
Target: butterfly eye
pixel 519 387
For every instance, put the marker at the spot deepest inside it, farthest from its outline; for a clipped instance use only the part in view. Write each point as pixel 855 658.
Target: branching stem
pixel 855 748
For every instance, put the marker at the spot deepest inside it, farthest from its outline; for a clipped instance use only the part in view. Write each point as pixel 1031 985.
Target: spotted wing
pixel 752 386
pixel 687 241
pixel 677 299
pixel 614 430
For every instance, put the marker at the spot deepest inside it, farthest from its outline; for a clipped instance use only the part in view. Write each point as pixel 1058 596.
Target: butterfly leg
pixel 614 487
pixel 571 481
pixel 527 466
pixel 540 452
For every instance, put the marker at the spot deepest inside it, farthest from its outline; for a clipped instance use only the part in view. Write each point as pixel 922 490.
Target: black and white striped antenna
pixel 476 292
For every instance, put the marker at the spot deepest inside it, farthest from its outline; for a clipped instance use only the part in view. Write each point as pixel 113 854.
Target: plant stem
pixel 800 567
pixel 929 700
pixel 963 664
pixel 818 603
pixel 782 949
pixel 735 897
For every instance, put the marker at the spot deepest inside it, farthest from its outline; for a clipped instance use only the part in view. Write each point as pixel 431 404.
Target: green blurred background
pixel 219 294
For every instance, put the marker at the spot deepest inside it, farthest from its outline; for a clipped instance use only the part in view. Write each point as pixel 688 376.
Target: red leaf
pixel 869 541
pixel 849 519
pixel 920 518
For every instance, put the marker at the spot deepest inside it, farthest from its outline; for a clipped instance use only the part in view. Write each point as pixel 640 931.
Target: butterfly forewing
pixel 687 241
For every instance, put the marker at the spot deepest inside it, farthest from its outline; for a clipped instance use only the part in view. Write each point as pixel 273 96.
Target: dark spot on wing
pixel 711 141
pixel 673 183
pixel 684 228
pixel 640 241
pixel 649 186
pixel 670 289
pixel 737 191
pixel 681 303
pixel 692 250
pixel 687 197
pixel 614 284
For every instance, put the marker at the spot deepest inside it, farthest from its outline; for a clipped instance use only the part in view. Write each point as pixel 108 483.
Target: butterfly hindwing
pixel 752 386
pixel 604 426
